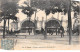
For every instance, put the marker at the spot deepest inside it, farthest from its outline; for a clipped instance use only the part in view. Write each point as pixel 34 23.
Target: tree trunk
pixel 69 23
pixel 8 25
pixel 79 22
pixel 35 24
pixel 45 33
pixel 29 25
pixel 4 28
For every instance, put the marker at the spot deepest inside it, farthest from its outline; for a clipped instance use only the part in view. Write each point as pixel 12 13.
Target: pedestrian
pixel 42 30
pixel 62 31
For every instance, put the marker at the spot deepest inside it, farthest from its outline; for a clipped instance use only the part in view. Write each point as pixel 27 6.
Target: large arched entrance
pixel 53 25
pixel 27 26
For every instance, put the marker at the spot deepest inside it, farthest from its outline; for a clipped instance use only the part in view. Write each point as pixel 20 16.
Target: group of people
pixel 60 31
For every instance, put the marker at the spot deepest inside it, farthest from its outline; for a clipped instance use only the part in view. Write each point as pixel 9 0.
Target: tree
pixel 60 5
pixel 75 8
pixel 28 11
pixel 9 9
pixel 51 6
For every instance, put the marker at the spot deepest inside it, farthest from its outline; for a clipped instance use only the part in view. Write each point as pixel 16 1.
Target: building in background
pixel 40 22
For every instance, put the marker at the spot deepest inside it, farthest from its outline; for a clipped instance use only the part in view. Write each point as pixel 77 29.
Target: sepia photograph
pixel 39 25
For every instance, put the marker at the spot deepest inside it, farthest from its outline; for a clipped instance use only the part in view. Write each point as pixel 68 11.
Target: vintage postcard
pixel 39 25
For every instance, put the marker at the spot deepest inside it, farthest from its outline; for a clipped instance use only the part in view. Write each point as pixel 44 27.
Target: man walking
pixel 62 31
